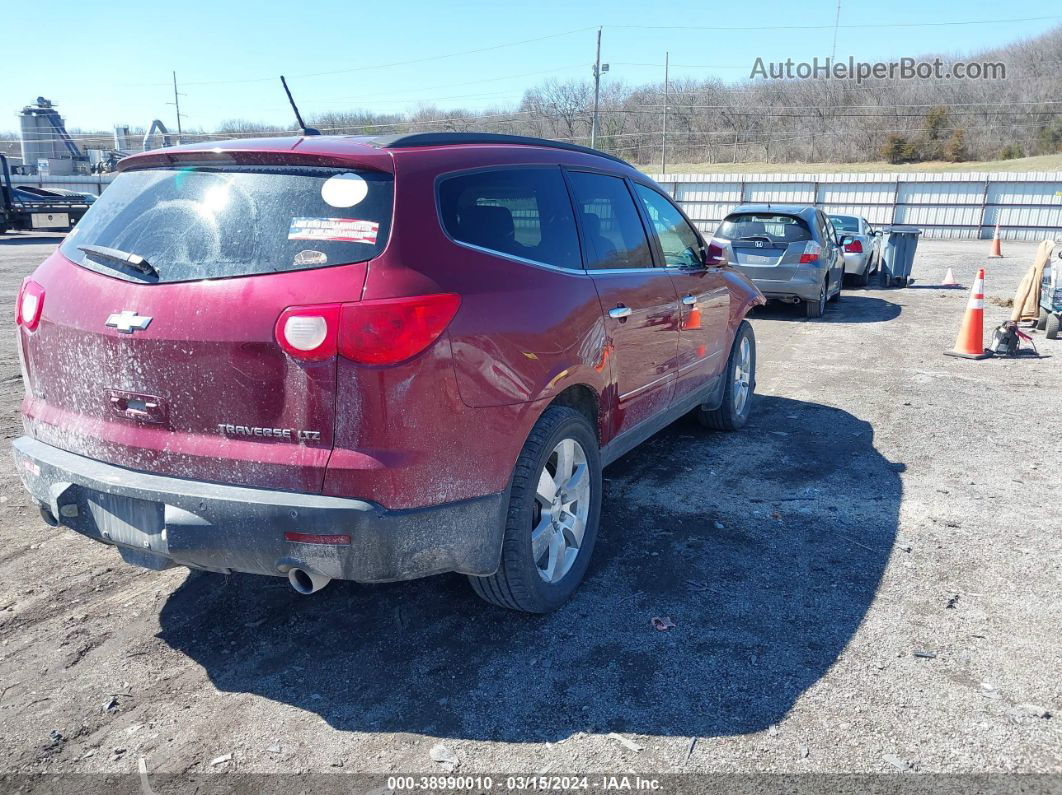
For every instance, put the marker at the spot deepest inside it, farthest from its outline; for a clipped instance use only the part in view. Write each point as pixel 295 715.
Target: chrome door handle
pixel 620 311
pixel 689 300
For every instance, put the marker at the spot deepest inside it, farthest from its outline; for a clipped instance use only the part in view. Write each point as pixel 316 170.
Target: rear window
pixel 770 227
pixel 520 212
pixel 203 223
pixel 845 223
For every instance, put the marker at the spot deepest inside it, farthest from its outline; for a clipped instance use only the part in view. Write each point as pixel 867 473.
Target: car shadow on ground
pixel 855 307
pixel 764 547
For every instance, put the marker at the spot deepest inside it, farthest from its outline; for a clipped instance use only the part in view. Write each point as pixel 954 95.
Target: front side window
pixel 612 230
pixel 207 222
pixel 520 212
pixel 678 240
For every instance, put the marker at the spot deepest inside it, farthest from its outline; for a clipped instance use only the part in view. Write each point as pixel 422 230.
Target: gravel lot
pixel 866 579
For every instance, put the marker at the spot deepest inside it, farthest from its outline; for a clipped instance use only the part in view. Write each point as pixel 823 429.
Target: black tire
pixel 861 279
pixel 727 417
pixel 817 308
pixel 517 584
pixel 1041 322
pixel 1051 330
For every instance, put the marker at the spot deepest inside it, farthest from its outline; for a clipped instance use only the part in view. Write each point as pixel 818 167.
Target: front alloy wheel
pixel 733 411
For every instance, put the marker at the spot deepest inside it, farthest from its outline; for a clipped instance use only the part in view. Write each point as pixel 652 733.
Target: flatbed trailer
pixel 36 209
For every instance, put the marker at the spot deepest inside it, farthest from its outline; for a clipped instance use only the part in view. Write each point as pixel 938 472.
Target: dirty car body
pixel 325 355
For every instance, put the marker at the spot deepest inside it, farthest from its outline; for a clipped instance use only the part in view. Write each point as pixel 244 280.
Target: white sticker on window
pixel 343 230
pixel 309 256
pixel 344 190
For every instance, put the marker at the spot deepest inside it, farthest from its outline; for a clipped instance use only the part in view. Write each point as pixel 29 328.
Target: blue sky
pixel 228 54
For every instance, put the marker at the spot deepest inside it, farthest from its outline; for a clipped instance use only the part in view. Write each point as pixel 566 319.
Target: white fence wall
pixel 1027 206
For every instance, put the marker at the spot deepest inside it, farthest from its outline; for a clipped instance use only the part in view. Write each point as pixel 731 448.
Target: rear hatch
pixel 767 245
pixel 168 362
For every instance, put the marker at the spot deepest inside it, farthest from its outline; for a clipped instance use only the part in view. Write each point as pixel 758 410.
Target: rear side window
pixel 206 223
pixel 612 230
pixel 521 212
pixel 768 227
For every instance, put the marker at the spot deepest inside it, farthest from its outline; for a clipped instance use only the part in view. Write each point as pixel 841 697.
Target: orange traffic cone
pixel 949 280
pixel 970 344
pixel 694 319
pixel 996 251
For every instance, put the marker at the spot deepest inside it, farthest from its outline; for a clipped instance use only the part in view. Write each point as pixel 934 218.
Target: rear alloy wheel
pixel 554 510
pixel 817 308
pixel 740 376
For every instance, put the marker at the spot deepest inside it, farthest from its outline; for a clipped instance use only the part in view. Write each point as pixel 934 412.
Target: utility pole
pixel 663 135
pixel 836 24
pixel 597 90
pixel 177 104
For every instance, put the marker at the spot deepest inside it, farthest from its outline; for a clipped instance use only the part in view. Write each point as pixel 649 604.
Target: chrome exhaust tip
pixel 307 582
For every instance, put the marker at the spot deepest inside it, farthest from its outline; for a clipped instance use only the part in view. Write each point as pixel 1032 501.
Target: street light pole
pixel 597 90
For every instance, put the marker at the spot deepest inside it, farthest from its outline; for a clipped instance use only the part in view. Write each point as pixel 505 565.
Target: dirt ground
pixel 865 579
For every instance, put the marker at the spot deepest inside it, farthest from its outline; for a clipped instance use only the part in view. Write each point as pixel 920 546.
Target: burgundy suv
pixel 370 358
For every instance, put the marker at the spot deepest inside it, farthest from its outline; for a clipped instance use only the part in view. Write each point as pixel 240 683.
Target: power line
pixel 368 67
pixel 873 25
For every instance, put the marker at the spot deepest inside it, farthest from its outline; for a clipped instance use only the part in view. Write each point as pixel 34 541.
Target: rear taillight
pixel 811 252
pixel 30 305
pixel 309 332
pixel 380 332
pixel 855 247
pixel 392 330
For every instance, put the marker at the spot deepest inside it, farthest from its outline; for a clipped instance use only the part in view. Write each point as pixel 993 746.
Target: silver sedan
pixel 862 252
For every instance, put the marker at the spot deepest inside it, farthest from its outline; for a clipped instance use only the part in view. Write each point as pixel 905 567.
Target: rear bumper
pixel 857 263
pixel 804 286
pixel 158 521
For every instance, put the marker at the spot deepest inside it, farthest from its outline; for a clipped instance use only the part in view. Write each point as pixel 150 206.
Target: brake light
pixel 811 252
pixel 855 247
pixel 30 305
pixel 381 332
pixel 392 330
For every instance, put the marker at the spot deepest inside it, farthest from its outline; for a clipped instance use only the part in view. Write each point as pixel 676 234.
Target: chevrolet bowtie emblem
pixel 128 321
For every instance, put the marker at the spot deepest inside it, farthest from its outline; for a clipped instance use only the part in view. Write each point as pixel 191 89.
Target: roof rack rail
pixel 407 140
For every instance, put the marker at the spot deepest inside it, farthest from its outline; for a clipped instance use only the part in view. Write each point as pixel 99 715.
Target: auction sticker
pixel 341 230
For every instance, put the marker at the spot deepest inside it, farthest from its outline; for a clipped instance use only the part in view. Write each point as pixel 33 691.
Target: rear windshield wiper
pixel 134 261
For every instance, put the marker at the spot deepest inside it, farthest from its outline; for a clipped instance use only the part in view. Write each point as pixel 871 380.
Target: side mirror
pixel 842 239
pixel 715 256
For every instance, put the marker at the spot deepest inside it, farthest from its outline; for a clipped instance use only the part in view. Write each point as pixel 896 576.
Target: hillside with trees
pixel 768 121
